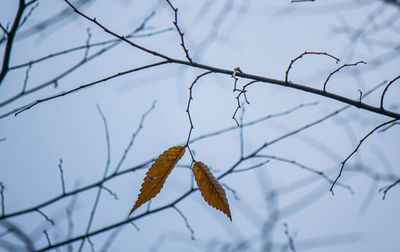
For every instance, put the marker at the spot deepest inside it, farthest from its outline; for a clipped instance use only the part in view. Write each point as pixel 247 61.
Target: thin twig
pixel 299 1
pixel 186 222
pixel 175 22
pixel 233 191
pixel 241 133
pixel 386 88
pixel 241 91
pixel 23 21
pixel 68 212
pixel 91 244
pixel 113 194
pixel 295 163
pixel 65 73
pixel 93 20
pixel 2 188
pixel 107 135
pixel 337 70
pixel 188 111
pixel 62 176
pixel 135 226
pixel 100 185
pixel 89 34
pixel 356 149
pixel 133 137
pixel 110 239
pixel 26 78
pixel 46 217
pixel 387 188
pixel 306 53
pixel 47 237
pixel 251 167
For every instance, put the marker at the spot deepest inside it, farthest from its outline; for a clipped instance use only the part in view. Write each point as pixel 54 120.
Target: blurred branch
pixel 387 188
pixel 146 163
pixel 2 188
pixel 186 222
pixel 289 237
pixel 19 234
pixel 130 144
pixel 45 216
pixel 191 190
pixel 56 19
pixel 110 44
pixel 88 85
pixel 84 47
pixel 61 176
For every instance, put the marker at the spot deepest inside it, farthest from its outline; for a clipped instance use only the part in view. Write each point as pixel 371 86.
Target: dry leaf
pixel 210 189
pixel 157 174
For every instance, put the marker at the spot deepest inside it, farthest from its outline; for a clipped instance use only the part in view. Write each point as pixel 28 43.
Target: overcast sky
pixel 260 37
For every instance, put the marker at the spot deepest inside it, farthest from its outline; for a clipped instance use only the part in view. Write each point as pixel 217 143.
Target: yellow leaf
pixel 157 174
pixel 210 189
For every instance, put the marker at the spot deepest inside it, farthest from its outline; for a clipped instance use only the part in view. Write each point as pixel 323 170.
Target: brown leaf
pixel 157 174
pixel 210 189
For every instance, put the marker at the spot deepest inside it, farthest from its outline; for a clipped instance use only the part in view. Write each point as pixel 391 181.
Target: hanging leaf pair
pixel 210 189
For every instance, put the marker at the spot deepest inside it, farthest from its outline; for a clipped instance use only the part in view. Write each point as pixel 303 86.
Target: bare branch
pixel 89 36
pixel 146 163
pixel 284 83
pixel 93 20
pixel 233 191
